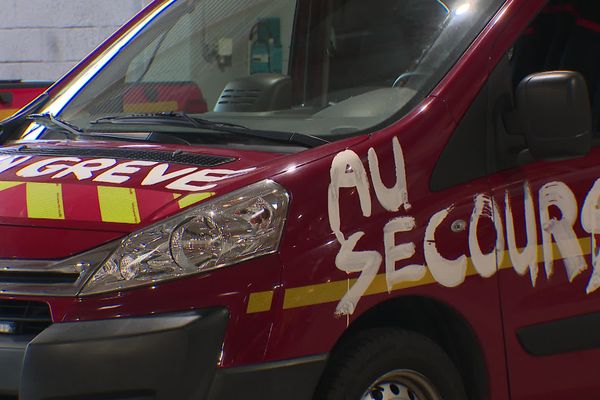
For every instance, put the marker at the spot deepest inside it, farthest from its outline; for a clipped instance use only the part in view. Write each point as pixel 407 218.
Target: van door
pixel 550 291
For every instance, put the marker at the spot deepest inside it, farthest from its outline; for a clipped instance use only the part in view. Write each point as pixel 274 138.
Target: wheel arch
pixel 437 321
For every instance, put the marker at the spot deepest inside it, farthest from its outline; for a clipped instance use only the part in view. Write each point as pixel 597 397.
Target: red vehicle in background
pixel 310 199
pixel 14 95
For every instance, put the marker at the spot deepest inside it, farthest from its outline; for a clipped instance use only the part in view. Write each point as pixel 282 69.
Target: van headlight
pixel 236 227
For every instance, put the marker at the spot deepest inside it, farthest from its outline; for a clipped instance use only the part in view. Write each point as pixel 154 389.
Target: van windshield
pixel 324 68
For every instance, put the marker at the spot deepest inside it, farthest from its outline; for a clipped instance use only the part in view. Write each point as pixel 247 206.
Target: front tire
pixel 386 364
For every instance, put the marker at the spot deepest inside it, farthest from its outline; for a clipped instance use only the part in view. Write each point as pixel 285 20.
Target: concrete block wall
pixel 43 39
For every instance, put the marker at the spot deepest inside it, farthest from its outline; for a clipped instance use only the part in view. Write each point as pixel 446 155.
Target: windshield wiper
pixel 184 119
pixel 50 121
pixel 73 132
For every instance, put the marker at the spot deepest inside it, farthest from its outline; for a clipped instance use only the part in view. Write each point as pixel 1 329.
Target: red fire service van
pixel 310 199
pixel 16 94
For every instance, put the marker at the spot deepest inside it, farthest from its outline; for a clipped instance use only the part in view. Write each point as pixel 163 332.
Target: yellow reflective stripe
pixel 44 200
pixel 191 199
pixel 260 302
pixel 7 113
pixel 585 243
pixel 317 294
pixel 334 291
pixel 194 198
pixel 8 184
pixel 118 205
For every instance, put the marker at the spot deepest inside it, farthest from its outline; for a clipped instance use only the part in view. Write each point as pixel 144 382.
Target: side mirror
pixel 554 113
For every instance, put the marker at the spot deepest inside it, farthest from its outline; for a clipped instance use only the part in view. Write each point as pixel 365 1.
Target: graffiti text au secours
pixel 348 171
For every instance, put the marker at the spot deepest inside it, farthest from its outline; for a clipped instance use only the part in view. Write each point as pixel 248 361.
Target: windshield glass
pixel 325 68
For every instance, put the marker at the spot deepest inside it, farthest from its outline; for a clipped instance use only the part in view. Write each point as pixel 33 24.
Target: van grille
pixel 23 317
pixel 51 277
pixel 38 278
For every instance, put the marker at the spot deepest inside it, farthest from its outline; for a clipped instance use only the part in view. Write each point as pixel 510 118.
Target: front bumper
pixel 171 356
pixel 162 357
pixel 12 351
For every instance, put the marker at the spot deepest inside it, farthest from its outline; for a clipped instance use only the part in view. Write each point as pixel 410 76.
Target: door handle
pixel 6 97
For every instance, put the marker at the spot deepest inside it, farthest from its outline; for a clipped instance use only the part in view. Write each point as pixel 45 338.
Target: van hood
pixel 60 198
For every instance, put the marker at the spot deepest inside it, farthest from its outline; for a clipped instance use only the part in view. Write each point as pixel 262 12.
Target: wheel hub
pixel 401 385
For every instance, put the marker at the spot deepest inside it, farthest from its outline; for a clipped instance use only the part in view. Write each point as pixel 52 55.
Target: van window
pixel 564 36
pixel 325 68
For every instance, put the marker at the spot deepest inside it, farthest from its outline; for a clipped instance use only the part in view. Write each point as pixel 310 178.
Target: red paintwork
pixel 494 307
pixel 185 96
pixel 22 93
pixel 551 299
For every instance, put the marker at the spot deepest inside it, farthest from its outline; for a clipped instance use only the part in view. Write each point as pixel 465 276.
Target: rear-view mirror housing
pixel 554 113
